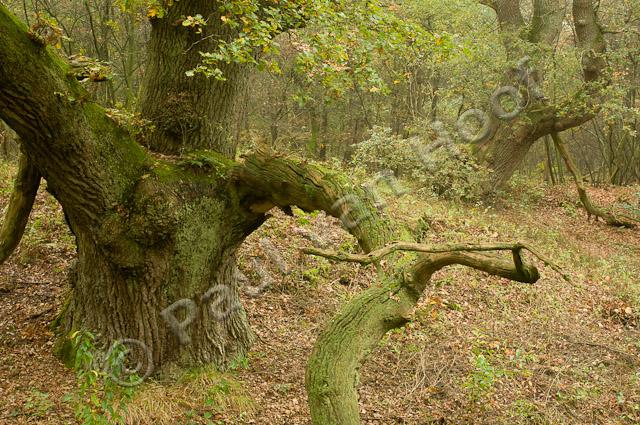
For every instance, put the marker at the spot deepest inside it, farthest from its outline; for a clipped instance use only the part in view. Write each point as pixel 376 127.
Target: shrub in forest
pixel 448 171
pixel 384 150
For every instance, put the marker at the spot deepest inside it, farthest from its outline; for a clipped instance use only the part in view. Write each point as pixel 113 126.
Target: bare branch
pixel 377 255
pixel 332 373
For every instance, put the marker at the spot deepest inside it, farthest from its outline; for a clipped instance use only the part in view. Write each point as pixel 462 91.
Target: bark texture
pixel 149 232
pixel 157 237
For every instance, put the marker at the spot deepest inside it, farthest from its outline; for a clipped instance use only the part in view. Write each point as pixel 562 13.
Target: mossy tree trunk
pixel 172 241
pixel 157 238
pixel 149 232
pixel 343 346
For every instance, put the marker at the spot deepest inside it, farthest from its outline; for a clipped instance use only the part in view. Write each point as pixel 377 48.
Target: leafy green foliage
pixel 350 45
pixel 341 45
pixel 384 150
pixel 448 173
pixel 483 378
pixel 98 398
pixel 255 26
pixel 456 176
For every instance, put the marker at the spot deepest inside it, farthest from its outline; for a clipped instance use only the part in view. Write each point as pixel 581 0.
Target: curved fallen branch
pixel 265 181
pixel 591 209
pixel 17 214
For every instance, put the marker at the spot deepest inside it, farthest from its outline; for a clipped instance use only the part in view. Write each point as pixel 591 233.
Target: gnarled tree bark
pixel 197 112
pixel 157 237
pixel 149 232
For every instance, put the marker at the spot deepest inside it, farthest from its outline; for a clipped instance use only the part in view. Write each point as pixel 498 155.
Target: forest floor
pixel 480 349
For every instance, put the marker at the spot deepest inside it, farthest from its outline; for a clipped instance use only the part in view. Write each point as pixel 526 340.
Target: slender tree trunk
pixel 550 173
pixel 324 133
pixel 17 214
pixel 312 144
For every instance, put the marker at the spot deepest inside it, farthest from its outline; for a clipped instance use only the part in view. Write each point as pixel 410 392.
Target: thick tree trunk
pixel 156 239
pixel 189 113
pixel 170 283
pixel 506 150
